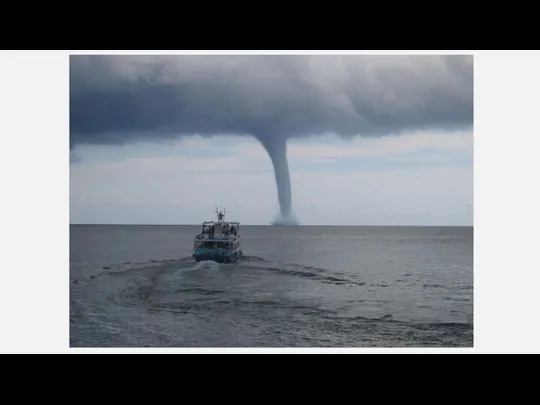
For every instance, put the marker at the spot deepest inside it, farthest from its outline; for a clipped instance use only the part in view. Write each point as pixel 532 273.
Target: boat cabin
pixel 216 228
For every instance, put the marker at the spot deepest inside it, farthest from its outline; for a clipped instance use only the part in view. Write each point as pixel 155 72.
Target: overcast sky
pixel 370 140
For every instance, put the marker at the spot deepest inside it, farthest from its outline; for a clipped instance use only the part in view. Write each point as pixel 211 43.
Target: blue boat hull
pixel 216 255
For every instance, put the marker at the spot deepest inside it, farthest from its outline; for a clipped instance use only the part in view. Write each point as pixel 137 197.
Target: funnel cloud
pixel 125 99
pixel 276 147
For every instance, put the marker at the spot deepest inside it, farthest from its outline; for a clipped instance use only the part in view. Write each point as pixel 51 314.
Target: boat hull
pixel 216 256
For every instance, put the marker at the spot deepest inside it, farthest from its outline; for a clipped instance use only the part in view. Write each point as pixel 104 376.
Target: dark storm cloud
pixel 115 99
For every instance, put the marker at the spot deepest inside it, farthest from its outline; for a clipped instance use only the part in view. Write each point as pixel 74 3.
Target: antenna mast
pixel 221 214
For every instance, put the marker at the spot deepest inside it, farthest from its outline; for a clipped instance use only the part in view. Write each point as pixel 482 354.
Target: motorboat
pixel 218 241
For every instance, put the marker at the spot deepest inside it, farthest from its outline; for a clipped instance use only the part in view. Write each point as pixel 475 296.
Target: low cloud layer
pixel 121 99
pixel 116 99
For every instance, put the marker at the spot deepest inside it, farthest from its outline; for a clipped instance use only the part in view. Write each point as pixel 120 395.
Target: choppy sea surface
pixel 302 286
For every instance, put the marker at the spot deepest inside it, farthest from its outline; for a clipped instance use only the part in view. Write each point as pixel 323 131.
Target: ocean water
pixel 137 286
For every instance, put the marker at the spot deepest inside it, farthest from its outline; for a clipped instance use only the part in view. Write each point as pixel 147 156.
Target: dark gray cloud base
pixel 121 99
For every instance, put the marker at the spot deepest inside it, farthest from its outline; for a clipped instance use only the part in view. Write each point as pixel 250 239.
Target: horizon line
pixel 279 226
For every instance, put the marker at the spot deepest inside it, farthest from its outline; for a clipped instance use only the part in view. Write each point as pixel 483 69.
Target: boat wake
pixel 252 302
